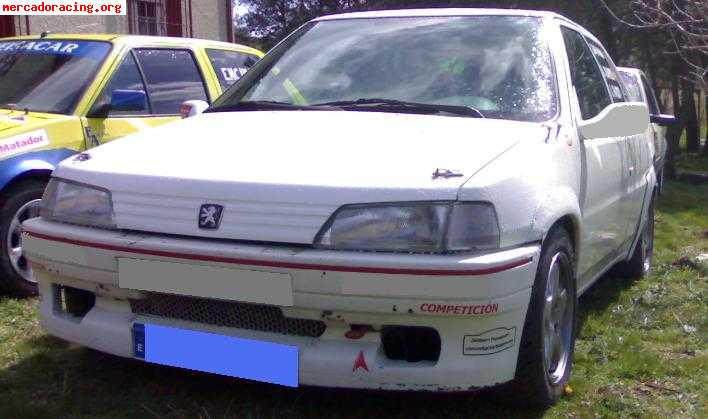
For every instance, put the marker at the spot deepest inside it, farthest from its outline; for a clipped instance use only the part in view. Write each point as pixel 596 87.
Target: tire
pixel 19 203
pixel 541 377
pixel 639 265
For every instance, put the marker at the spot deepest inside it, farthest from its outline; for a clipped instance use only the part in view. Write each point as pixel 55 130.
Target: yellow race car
pixel 62 94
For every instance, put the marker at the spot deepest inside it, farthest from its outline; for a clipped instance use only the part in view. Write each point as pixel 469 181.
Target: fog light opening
pixel 73 301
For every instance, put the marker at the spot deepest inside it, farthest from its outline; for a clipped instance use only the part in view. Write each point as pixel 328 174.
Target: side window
pixel 609 71
pixel 652 103
pixel 172 77
pixel 586 76
pixel 230 66
pixel 126 77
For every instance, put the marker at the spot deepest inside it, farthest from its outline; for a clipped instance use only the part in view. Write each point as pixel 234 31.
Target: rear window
pixel 230 66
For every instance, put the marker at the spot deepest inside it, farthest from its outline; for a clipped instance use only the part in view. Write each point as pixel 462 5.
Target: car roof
pixel 141 40
pixel 442 12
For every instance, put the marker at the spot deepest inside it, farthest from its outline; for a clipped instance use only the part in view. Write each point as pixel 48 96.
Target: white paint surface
pixel 206 281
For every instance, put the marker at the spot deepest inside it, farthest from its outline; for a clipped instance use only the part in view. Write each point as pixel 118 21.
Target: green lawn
pixel 694 162
pixel 641 353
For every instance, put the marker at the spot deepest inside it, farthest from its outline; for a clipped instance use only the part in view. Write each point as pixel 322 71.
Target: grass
pixel 694 162
pixel 641 352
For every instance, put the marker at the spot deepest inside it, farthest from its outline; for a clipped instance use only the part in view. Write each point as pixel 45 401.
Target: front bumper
pixel 462 297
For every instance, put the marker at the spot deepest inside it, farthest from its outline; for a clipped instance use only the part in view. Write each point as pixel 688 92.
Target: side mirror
pixel 192 108
pixel 129 100
pixel 662 119
pixel 617 120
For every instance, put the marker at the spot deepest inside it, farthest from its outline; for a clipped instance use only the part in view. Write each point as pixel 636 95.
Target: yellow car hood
pixel 14 122
pixel 22 132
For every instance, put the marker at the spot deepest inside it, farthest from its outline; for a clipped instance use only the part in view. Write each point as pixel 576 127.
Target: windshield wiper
pixel 262 105
pixel 404 106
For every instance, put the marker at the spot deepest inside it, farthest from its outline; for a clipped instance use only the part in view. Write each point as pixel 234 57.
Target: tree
pixel 685 22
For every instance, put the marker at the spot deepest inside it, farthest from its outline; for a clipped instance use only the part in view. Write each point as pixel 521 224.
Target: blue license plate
pixel 226 355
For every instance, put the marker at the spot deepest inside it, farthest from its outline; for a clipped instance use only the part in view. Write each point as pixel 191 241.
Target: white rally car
pixel 405 200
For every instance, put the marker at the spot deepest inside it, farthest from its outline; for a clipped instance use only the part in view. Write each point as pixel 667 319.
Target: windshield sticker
pixel 231 74
pixel 490 342
pixel 69 48
pixel 23 143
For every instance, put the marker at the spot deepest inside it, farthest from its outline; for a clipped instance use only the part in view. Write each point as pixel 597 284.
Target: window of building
pixel 159 17
pixel 7 26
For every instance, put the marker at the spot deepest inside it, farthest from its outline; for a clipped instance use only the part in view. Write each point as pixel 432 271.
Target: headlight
pixel 436 227
pixel 76 203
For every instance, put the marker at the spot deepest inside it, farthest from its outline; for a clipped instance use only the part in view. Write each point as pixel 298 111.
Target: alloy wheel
pixel 14 239
pixel 557 318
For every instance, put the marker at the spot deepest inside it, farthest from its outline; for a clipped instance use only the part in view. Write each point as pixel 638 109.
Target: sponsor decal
pixel 490 342
pixel 460 309
pixel 24 142
pixel 360 363
pixel 232 74
pixel 90 49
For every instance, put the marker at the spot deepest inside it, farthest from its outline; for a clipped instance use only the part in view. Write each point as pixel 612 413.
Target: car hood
pixel 12 122
pixel 280 175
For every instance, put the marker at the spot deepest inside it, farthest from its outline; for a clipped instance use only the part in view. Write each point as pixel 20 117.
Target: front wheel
pixel 548 339
pixel 21 203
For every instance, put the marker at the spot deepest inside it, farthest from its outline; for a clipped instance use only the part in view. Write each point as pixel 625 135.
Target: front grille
pixel 248 316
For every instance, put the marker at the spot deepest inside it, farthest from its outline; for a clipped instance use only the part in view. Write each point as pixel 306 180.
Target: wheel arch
pixel 561 208
pixel 37 165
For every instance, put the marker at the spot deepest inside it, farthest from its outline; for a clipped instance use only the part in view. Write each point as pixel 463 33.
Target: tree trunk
pixel 705 105
pixel 673 133
pixel 646 46
pixel 693 137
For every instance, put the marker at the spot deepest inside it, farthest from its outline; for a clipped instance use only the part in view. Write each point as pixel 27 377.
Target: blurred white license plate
pixel 206 281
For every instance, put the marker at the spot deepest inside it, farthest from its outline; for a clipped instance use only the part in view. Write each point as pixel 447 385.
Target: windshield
pixel 497 65
pixel 630 82
pixel 47 76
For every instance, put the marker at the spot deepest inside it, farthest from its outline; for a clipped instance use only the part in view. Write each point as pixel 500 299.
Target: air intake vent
pixel 248 316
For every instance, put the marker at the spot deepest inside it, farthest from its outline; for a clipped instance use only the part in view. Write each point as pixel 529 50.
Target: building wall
pixel 77 24
pixel 209 21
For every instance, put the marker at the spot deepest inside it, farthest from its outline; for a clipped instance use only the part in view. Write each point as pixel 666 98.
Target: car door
pixel 602 229
pixel 167 76
pixel 636 156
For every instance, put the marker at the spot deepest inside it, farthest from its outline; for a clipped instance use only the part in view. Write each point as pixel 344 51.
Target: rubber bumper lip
pixel 289 265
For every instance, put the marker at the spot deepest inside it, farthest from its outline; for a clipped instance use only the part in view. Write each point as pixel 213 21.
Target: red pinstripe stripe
pixel 289 265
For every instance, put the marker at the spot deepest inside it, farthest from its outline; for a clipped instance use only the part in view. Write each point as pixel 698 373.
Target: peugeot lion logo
pixel 210 216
